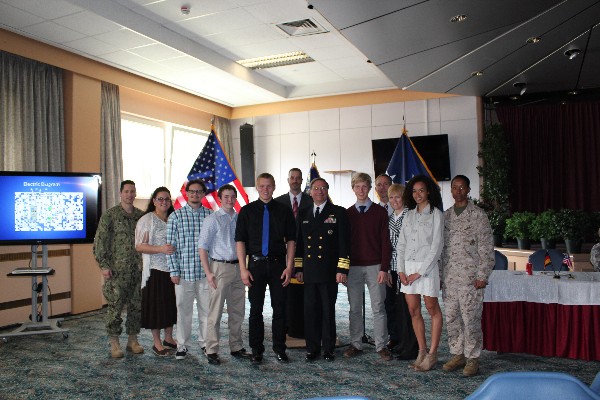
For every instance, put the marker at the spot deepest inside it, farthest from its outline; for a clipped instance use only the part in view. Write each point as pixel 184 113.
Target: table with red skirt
pixel 541 315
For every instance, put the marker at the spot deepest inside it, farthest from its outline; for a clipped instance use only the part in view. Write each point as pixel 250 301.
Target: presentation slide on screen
pixel 45 207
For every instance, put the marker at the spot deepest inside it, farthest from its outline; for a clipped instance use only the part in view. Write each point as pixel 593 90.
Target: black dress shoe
pixel 329 356
pixel 213 359
pixel 311 356
pixel 282 357
pixel 256 358
pixel 241 353
pixel 391 345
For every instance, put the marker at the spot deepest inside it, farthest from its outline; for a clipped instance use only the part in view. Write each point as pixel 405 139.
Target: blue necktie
pixel 265 232
pixel 362 209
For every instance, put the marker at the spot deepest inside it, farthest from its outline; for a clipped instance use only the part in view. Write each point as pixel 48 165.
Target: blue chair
pixel 595 386
pixel 501 263
pixel 533 386
pixel 556 256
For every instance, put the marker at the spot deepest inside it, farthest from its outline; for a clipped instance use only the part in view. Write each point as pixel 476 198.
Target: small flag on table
pixel 214 168
pixel 547 261
pixel 567 261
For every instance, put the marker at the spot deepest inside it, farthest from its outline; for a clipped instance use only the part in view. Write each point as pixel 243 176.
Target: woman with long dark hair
pixel 418 251
pixel 158 293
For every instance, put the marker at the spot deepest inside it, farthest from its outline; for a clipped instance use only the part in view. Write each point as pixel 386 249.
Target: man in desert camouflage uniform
pixel 121 264
pixel 467 262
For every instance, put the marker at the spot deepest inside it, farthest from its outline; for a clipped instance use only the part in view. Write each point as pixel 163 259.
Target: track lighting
pixel 572 53
pixel 522 86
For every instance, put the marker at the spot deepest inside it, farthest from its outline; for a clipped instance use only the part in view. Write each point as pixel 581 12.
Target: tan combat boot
pixel 472 367
pixel 455 362
pixel 115 347
pixel 133 345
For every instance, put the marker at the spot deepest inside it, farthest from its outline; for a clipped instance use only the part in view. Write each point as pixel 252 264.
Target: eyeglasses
pixel 195 191
pixel 320 188
pixel 161 199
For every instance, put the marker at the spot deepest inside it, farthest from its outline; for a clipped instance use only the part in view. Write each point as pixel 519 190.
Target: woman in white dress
pixel 418 251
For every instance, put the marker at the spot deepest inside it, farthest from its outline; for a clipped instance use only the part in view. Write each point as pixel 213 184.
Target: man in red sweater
pixel 369 262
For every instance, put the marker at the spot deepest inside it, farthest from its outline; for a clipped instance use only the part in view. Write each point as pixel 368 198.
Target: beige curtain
pixel 223 131
pixel 111 156
pixel 32 136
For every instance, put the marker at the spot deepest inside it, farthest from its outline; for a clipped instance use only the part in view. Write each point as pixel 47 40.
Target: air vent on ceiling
pixel 302 27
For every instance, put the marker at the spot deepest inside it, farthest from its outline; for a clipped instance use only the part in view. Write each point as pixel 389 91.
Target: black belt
pixel 227 261
pixel 265 258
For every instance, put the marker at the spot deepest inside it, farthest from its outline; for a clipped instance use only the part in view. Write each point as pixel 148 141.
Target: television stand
pixel 39 324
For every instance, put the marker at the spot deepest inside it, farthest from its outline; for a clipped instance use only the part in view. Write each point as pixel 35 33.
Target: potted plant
pixel 518 226
pixel 545 229
pixel 498 219
pixel 573 226
pixel 494 168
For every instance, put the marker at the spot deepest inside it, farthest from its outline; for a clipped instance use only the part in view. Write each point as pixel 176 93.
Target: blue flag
pixel 312 174
pixel 407 162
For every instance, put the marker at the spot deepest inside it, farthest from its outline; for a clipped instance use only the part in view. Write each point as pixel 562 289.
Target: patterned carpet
pixel 79 367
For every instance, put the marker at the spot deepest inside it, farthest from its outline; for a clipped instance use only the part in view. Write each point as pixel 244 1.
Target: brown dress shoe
pixel 385 354
pixel 352 352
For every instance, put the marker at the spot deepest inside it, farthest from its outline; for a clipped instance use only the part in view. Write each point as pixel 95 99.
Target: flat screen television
pixel 49 207
pixel 433 148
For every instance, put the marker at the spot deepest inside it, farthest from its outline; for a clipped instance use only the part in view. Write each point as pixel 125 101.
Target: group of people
pixel 403 249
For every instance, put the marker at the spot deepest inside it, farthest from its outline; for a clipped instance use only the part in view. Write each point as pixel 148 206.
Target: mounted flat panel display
pixel 49 207
pixel 433 149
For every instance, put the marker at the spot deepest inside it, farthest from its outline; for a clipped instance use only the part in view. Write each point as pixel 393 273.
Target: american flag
pixel 567 261
pixel 213 167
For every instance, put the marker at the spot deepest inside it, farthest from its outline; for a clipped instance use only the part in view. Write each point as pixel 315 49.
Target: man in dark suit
pixel 297 201
pixel 295 195
pixel 322 262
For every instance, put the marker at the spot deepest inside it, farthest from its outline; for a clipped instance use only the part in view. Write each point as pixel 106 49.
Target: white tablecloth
pixel 507 286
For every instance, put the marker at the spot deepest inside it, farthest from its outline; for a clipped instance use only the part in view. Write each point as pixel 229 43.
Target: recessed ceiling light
pixel 572 53
pixel 514 97
pixel 458 18
pixel 477 73
pixel 573 92
pixel 534 39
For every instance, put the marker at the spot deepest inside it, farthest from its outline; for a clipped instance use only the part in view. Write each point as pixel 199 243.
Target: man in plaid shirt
pixel 183 231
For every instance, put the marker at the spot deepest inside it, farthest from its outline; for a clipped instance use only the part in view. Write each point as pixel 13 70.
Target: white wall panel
pixel 433 110
pixel 416 111
pixel 356 155
pixel 327 147
pixel 295 153
pixel 455 108
pixel 267 125
pixel 324 120
pixel 294 122
pixel 388 114
pixel 267 150
pixel 355 117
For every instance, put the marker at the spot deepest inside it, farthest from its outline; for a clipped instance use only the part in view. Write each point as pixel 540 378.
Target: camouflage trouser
pixel 463 306
pixel 123 290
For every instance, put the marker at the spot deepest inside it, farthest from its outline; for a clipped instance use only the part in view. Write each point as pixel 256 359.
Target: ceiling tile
pixel 220 22
pixel 156 52
pixel 87 23
pixel 185 63
pixel 17 18
pixel 47 9
pixel 125 38
pixel 50 31
pixel 92 46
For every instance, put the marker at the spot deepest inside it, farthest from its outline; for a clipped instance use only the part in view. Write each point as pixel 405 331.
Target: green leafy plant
pixel 518 226
pixel 573 224
pixel 545 226
pixel 494 169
